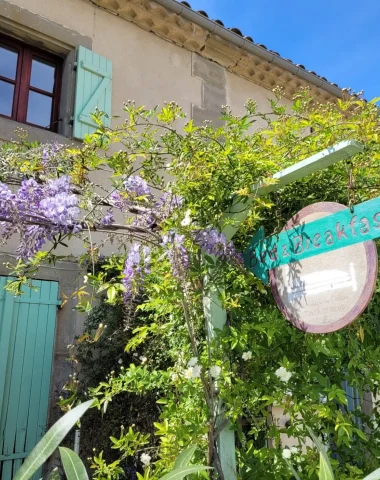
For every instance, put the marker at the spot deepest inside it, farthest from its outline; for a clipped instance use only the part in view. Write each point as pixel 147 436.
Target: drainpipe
pixel 242 42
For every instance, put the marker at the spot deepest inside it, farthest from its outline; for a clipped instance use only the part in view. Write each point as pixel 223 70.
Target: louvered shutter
pixel 93 90
pixel 27 333
pixel 354 401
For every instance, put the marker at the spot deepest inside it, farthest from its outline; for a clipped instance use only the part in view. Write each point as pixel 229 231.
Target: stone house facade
pixel 59 59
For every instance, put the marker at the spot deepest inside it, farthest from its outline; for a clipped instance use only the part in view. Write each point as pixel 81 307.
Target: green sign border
pixel 339 230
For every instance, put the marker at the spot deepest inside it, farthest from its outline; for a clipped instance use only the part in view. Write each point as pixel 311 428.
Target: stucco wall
pixel 280 420
pixel 146 68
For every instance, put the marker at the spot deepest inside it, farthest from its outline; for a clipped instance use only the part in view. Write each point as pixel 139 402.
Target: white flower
pixel 192 362
pixel 215 371
pixel 135 354
pixel 145 459
pixel 143 359
pixel 283 374
pixel 187 220
pixel 294 449
pixel 247 356
pixel 174 377
pixel 193 372
pixel 85 279
pixel 286 453
pixel 120 361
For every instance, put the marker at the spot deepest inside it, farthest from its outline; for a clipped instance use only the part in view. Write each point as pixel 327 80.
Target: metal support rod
pixel 216 318
pixel 77 441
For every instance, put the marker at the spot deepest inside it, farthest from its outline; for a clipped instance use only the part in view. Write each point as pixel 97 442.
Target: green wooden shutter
pixel 354 401
pixel 93 90
pixel 27 330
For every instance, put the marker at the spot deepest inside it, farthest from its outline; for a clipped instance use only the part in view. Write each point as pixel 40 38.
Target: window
pixel 30 82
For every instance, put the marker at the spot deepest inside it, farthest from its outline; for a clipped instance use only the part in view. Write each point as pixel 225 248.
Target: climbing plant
pixel 158 221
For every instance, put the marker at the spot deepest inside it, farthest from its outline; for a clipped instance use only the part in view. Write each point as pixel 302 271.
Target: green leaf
pixel 209 259
pixel 179 473
pixel 373 476
pixel 326 471
pixel 111 294
pixel 295 474
pixel 361 434
pixel 72 464
pixel 50 441
pixel 185 457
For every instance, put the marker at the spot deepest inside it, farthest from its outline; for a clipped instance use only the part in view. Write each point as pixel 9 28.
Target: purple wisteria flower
pixel 167 204
pixel 34 238
pixel 215 243
pixel 49 153
pixel 6 200
pixel 119 201
pixel 30 191
pixel 60 209
pixel 52 207
pixel 147 259
pixel 58 185
pixel 177 253
pixel 136 266
pixel 108 218
pixel 45 155
pixel 149 215
pixel 137 185
pixel 134 186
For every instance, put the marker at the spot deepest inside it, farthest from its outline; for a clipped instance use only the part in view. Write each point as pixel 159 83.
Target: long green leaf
pixel 326 471
pixel 50 441
pixel 185 457
pixel 182 472
pixel 295 474
pixel 373 476
pixel 72 465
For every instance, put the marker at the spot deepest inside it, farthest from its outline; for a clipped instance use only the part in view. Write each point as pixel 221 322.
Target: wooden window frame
pixel 22 86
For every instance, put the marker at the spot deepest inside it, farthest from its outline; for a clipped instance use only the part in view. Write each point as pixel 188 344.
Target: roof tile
pixel 250 39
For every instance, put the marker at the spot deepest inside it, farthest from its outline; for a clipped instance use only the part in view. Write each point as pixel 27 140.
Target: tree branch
pixel 33 220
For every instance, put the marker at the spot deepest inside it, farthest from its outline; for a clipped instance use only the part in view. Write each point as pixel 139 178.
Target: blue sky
pixel 338 39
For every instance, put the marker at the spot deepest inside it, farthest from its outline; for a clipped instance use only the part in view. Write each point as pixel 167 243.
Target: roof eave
pixel 251 47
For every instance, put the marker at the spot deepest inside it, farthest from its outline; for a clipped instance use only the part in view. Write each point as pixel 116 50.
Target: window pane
pixel 39 109
pixel 8 62
pixel 6 98
pixel 42 75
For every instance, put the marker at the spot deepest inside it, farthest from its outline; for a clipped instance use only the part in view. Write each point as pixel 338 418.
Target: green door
pixel 27 327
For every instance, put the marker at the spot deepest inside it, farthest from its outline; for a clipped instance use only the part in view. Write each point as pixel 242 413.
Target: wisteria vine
pixel 39 211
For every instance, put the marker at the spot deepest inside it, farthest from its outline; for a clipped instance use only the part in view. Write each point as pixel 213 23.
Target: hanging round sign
pixel 321 293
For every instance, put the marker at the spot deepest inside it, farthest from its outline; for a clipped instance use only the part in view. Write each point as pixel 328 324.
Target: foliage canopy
pixel 168 185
